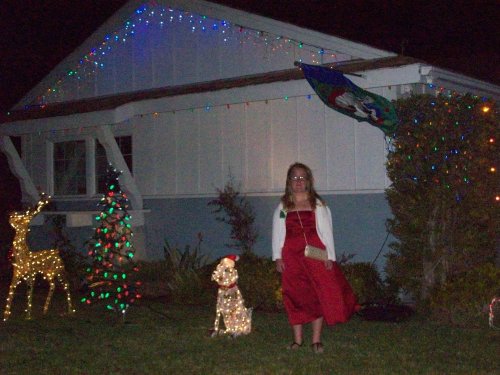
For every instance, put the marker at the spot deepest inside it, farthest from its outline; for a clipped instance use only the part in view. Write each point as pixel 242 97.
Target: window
pixel 69 168
pixel 17 142
pixel 125 146
pixel 101 161
pixel 73 175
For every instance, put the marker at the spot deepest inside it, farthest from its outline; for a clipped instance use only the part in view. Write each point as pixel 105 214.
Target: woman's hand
pixel 329 264
pixel 280 266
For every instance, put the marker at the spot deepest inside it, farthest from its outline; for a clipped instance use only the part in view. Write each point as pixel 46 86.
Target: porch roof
pixel 113 101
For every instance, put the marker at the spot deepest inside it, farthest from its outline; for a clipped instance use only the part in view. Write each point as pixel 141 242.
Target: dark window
pixel 69 168
pixel 17 142
pixel 101 161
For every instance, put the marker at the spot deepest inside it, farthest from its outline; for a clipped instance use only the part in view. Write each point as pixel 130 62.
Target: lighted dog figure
pixel 230 304
pixel 27 265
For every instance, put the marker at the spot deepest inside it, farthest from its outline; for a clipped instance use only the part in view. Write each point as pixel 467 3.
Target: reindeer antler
pixel 44 200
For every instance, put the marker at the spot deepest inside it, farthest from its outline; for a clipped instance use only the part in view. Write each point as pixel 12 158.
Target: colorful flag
pixel 339 93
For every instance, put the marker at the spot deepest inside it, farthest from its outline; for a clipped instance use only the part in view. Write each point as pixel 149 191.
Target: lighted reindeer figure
pixel 27 265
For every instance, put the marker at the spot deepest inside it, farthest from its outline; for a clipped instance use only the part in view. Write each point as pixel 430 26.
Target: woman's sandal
pixel 294 346
pixel 317 347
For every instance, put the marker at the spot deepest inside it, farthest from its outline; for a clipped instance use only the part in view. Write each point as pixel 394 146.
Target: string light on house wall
pixel 89 129
pixel 152 15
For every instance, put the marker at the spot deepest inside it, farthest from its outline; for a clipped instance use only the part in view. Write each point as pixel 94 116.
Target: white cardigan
pixel 323 227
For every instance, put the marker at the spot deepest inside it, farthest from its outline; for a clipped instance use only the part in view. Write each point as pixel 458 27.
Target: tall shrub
pixel 444 192
pixel 187 276
pixel 235 210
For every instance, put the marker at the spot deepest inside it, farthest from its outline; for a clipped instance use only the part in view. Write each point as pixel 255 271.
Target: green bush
pixel 152 271
pixel 189 282
pixel 175 261
pixel 186 286
pixel 188 259
pixel 190 288
pixel 366 282
pixel 259 282
pixel 182 277
pixel 186 274
pixel 464 300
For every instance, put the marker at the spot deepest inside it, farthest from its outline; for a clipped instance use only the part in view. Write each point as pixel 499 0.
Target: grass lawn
pixel 163 339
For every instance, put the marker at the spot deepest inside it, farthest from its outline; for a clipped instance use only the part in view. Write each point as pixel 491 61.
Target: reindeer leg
pixel 10 297
pixel 64 282
pixel 49 296
pixel 29 292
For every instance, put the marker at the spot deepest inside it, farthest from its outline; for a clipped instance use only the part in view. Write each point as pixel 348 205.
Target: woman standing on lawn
pixel 313 290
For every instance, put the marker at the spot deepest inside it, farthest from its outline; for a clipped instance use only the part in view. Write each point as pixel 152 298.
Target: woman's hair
pixel 287 198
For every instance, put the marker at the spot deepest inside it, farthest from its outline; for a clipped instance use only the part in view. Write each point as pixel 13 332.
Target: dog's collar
pixel 227 287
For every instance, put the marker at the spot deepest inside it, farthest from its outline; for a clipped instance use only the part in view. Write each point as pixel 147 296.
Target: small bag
pixel 315 253
pixel 310 251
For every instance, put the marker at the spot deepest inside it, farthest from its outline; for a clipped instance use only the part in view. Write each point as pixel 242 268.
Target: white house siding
pixel 164 151
pixel 183 151
pixel 192 151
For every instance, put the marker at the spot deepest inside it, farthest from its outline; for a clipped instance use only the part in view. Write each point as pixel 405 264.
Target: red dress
pixel 310 290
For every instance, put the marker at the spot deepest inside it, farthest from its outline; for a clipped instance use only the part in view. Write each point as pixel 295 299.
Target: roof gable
pixel 169 43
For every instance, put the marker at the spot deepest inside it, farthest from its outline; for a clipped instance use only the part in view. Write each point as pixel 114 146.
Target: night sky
pixel 460 35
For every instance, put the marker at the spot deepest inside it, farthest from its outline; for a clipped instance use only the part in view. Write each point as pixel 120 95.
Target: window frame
pixel 91 177
pixel 52 169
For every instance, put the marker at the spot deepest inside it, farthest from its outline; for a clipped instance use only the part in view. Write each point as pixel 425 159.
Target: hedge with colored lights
pixel 445 193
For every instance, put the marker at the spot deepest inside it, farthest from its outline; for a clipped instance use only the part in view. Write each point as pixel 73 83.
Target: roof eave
pixel 114 101
pixel 461 83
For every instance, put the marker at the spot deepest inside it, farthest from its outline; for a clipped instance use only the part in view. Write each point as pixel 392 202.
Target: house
pixel 180 95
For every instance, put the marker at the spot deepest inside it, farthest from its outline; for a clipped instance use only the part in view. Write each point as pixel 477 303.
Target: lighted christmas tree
pixel 112 251
pixel 445 191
